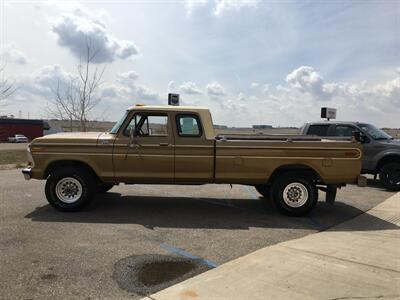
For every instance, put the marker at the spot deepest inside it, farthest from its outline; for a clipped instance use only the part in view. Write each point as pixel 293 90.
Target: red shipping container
pixel 29 128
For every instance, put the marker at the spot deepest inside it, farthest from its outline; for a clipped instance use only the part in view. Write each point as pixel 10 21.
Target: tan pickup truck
pixel 177 145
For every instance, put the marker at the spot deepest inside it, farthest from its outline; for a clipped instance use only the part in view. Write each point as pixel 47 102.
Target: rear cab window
pixel 318 129
pixel 188 125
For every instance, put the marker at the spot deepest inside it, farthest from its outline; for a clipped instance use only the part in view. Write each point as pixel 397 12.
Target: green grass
pixel 13 157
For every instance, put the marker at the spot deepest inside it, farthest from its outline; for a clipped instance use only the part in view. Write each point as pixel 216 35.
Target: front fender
pixel 384 154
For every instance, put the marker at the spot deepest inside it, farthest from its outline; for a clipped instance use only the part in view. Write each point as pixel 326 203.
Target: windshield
pixel 117 125
pixel 376 133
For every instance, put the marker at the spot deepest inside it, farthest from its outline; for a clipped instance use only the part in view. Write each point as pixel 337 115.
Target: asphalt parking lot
pixel 47 254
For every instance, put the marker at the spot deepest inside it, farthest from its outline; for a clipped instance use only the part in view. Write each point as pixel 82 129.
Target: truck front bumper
pixel 27 173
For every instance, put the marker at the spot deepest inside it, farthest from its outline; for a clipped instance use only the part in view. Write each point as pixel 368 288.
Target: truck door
pixel 149 157
pixel 345 132
pixel 194 154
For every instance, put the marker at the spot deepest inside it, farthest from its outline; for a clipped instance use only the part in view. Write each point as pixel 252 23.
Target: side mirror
pixel 359 137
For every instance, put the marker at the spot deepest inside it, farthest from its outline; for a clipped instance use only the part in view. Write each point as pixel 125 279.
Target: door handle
pixel 164 144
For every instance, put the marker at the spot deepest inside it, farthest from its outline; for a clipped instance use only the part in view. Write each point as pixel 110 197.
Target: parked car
pixel 381 153
pixel 18 138
pixel 177 145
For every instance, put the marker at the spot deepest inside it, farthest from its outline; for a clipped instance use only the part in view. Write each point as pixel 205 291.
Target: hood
pixel 393 143
pixel 69 137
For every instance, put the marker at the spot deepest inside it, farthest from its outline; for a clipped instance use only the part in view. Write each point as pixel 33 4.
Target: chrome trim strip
pixel 143 145
pixel 297 148
pixel 194 146
pixel 288 157
pixel 64 144
pixel 72 153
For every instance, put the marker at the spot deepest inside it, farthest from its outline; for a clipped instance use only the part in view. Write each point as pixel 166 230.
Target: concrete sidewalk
pixel 359 259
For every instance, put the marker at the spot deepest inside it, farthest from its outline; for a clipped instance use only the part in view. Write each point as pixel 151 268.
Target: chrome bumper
pixel 27 173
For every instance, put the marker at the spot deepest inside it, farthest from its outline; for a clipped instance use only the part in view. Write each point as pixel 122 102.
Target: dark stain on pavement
pixel 49 276
pixel 147 274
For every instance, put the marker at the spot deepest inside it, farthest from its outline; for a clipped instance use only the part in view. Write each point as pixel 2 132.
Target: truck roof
pixel 203 112
pixel 167 108
pixel 335 122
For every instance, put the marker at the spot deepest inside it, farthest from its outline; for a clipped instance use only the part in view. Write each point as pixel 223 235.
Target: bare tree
pixel 75 99
pixel 6 87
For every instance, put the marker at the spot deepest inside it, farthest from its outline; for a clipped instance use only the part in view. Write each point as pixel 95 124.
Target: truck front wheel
pixel 69 189
pixel 294 194
pixel 389 175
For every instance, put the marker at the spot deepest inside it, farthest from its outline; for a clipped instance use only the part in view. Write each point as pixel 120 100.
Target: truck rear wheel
pixel 69 189
pixel 294 193
pixel 389 175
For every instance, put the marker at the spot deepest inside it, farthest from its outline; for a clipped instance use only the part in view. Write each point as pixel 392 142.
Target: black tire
pixel 263 190
pixel 104 187
pixel 55 188
pixel 298 184
pixel 389 175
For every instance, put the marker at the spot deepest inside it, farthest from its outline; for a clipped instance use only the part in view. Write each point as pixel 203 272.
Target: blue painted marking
pixel 188 255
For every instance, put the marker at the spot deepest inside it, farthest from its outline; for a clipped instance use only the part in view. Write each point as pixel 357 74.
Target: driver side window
pixel 149 125
pixel 133 124
pixel 344 130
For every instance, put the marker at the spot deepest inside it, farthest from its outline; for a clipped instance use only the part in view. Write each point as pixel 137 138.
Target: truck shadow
pixel 376 184
pixel 212 213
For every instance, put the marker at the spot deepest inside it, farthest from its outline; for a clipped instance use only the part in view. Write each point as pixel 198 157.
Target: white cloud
pixel 265 88
pixel 10 54
pixel 219 6
pixel 292 103
pixel 254 85
pixel 229 5
pixel 299 101
pixel 146 93
pixel 389 90
pixel 75 30
pixel 190 88
pixel 127 78
pixel 191 5
pixel 308 81
pixel 172 88
pixel 44 81
pixel 127 89
pixel 215 89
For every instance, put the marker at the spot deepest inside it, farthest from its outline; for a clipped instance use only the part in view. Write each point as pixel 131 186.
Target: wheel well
pixel 297 168
pixel 387 159
pixel 69 163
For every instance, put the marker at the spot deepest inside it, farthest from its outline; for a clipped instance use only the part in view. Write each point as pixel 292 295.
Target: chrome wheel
pixel 295 194
pixel 69 190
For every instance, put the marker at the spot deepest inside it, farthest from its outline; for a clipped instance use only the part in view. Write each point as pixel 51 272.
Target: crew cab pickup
pixel 381 152
pixel 177 145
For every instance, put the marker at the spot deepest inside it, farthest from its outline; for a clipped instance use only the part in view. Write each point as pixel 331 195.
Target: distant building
pixel 29 128
pixel 220 126
pixel 262 126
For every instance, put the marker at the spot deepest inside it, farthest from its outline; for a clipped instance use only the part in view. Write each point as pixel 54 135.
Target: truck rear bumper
pixel 27 173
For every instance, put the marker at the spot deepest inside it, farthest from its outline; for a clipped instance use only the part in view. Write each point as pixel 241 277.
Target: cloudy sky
pixel 251 62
